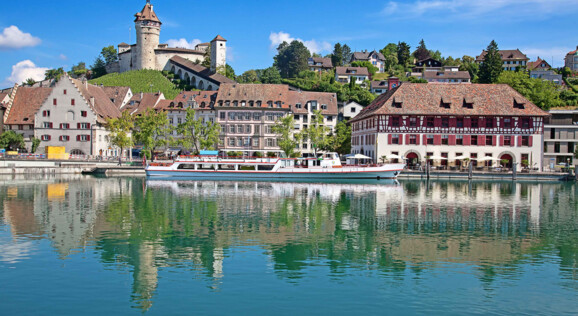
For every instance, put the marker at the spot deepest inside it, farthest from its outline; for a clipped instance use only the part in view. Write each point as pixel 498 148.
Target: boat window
pixel 186 166
pixel 265 167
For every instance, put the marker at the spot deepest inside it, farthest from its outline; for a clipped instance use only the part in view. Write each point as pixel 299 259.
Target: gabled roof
pixel 206 98
pixel 424 99
pixel 537 64
pixel 574 52
pixel 351 71
pixel 147 14
pixel 200 71
pixel 325 62
pixel 506 55
pixel 116 94
pixel 140 102
pixel 446 75
pixel 365 55
pixel 123 44
pixel 254 92
pixel 27 102
pixel 103 107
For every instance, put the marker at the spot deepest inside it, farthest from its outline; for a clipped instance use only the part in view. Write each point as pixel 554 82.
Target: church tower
pixel 148 29
pixel 218 53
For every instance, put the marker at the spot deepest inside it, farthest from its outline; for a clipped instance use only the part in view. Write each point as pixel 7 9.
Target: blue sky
pixel 35 35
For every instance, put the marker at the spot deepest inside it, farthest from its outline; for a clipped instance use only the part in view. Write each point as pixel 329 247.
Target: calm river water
pixel 73 245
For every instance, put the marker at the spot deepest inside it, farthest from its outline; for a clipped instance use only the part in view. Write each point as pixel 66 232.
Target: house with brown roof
pixel 203 102
pixel 375 58
pixel 446 76
pixel 484 123
pixel 571 60
pixel 319 63
pixel 511 58
pixel 74 114
pixel 539 64
pixel 248 112
pixel 148 53
pixel 120 96
pixel 346 74
pixel 141 102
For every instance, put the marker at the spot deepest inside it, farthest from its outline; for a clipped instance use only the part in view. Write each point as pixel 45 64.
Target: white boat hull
pixel 381 172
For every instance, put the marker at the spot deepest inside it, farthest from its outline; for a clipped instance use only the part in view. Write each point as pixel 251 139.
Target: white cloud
pixel 230 54
pixel 183 43
pixel 478 8
pixel 63 57
pixel 13 38
pixel 24 70
pixel 314 46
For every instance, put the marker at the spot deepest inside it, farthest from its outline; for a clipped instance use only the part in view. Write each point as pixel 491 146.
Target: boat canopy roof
pixel 208 153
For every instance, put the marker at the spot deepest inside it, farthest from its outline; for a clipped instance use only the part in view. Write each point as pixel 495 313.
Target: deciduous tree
pixel 11 140
pixel 285 138
pixel 340 140
pixel 120 129
pixel 53 74
pixel 152 130
pixel 196 134
pixel 317 133
pixel 291 58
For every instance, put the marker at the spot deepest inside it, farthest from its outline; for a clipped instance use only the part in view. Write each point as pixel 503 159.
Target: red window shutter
pixel 50 125
pixel 78 125
pixel 467 140
pixel 468 122
pixel 389 139
pixel 87 137
pixel 417 139
pixel 452 139
pixel 71 101
pixel 481 140
pixel 88 125
pixel 53 101
pixel 407 139
pixel 493 140
pixel 531 124
pixel 49 137
pixel 424 139
pixel 78 137
pixel 519 141
pixel 437 139
pixel 530 140
pixel 437 122
pixel 501 140
pixel 453 122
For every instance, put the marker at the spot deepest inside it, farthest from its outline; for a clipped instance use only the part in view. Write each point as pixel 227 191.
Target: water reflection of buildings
pixel 193 224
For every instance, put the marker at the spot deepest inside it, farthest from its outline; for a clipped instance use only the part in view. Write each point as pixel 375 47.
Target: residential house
pixel 120 96
pixel 477 121
pixel 380 87
pixel 511 59
pixel 447 76
pixel 248 112
pixel 346 74
pixel 202 102
pixel 74 115
pixel 375 58
pixel 539 64
pixel 141 102
pixel 349 110
pixel 21 107
pixel 549 75
pixel 571 60
pixel 428 64
pixel 319 64
pixel 560 138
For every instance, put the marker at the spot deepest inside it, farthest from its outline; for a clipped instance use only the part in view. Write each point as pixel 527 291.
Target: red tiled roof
pixel 537 64
pixel 147 14
pixel 218 38
pixel 116 94
pixel 26 103
pixel 506 55
pixel 327 98
pixel 347 71
pixel 325 62
pixel 208 97
pixel 254 92
pixel 143 101
pixel 103 107
pixel 201 71
pixel 425 99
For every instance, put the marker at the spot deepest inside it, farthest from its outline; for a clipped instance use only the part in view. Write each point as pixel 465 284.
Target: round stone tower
pixel 148 29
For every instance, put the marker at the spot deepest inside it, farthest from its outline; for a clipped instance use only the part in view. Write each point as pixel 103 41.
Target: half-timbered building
pixel 484 123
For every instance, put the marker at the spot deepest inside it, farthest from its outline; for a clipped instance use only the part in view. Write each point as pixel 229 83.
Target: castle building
pixel 148 53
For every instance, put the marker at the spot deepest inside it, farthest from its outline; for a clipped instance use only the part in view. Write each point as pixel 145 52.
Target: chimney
pixel 92 101
pixel 141 95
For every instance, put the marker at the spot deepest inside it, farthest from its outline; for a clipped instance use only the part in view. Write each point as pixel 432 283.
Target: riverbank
pixel 484 175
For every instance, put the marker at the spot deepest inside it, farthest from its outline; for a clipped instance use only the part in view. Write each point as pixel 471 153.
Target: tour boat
pixel 325 166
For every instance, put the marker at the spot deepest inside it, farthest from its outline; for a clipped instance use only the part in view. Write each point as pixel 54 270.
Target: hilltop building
pixel 147 53
pixel 539 64
pixel 511 59
pixel 375 58
pixel 483 123
pixel 571 60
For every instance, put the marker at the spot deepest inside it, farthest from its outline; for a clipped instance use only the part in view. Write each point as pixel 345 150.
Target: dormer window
pixel 270 104
pixel 445 103
pixel 518 103
pixel 235 103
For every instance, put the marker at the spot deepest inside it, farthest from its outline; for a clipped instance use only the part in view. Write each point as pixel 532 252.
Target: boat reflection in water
pixel 199 228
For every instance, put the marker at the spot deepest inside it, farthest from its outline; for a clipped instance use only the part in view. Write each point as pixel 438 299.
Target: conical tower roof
pixel 147 14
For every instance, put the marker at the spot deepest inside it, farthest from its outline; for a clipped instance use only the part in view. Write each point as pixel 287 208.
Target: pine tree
pixel 346 54
pixel 337 56
pixel 491 67
pixel 403 53
pixel 421 52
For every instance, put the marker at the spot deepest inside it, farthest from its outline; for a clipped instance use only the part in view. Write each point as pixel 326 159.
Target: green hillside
pixel 145 80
